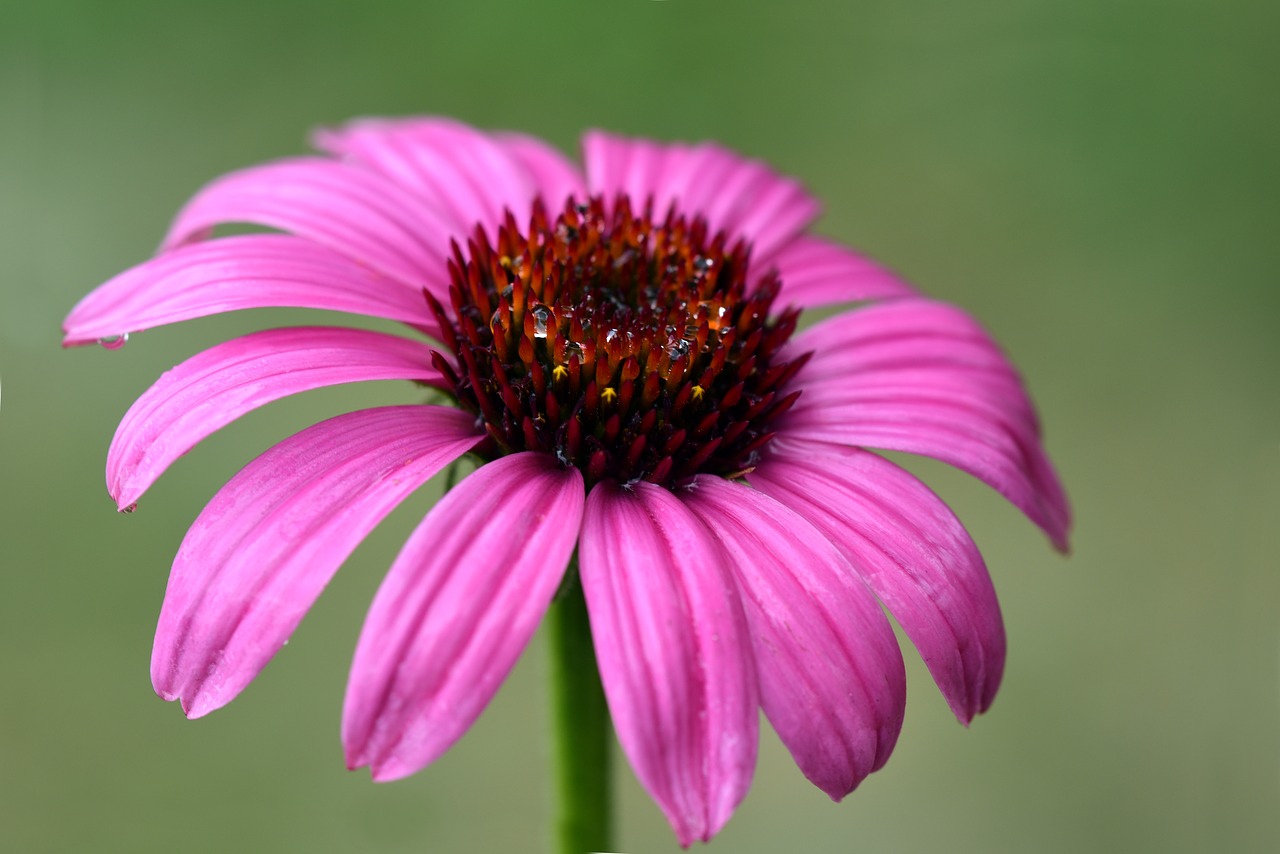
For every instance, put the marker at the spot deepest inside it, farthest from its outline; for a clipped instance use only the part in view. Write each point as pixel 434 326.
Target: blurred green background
pixel 1095 180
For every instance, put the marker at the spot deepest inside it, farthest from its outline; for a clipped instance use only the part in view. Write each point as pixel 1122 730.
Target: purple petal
pixel 214 388
pixel 817 273
pixel 555 176
pixel 745 198
pixel 952 396
pixel 457 608
pixel 361 214
pixel 906 544
pixel 831 675
pixel 266 545
pixel 465 174
pixel 232 273
pixel 672 644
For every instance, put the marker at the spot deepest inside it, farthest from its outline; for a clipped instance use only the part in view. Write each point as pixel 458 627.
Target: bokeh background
pixel 1096 180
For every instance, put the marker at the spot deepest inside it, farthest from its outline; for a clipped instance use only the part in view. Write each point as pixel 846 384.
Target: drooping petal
pixel 743 197
pixel 266 545
pixel 832 680
pixel 555 177
pixel 464 173
pixel 818 273
pixel 908 546
pixel 358 213
pixel 254 271
pixel 214 388
pixel 913 333
pixel 954 397
pixel 674 654
pixel 457 608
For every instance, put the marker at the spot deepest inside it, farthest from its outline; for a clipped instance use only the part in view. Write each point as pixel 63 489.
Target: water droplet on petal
pixel 114 342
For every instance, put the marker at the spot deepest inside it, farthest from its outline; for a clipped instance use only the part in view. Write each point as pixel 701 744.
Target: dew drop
pixel 677 347
pixel 114 342
pixel 541 314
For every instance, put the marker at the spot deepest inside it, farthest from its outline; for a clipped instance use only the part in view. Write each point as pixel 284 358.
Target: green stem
pixel 580 726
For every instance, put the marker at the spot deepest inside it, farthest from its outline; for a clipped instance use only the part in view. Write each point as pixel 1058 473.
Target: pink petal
pixel 465 174
pixel 457 608
pixel 1000 396
pixel 908 546
pixel 270 540
pixel 907 333
pixel 953 397
pixel 360 214
pixel 232 273
pixel 817 273
pixel 831 675
pixel 556 177
pixel 214 388
pixel 672 644
pixel 745 198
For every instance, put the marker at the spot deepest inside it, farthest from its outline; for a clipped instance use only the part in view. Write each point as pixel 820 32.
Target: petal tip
pixel 199 705
pixel 391 770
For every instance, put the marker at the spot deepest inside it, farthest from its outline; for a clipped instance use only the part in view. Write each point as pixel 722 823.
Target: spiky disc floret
pixel 630 348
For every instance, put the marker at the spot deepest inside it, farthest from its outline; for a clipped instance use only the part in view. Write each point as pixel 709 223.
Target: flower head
pixel 622 347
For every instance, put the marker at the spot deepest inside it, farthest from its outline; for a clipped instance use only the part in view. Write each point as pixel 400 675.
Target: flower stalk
pixel 580 728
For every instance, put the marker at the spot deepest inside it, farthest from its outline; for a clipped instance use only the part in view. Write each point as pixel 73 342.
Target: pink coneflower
pixel 622 350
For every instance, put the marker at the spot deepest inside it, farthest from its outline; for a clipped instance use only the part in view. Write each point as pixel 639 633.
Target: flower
pixel 622 349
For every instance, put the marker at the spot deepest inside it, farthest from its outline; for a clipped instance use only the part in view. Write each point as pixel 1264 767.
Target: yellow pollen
pixel 698 392
pixel 559 372
pixel 608 395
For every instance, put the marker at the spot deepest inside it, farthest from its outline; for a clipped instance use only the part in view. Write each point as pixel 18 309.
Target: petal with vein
pixel 671 640
pixel 259 554
pixel 816 273
pixel 232 273
pixel 909 548
pixel 742 197
pixel 214 388
pixel 832 680
pixel 916 376
pixel 905 333
pixel 466 174
pixel 360 214
pixel 456 609
pixel 555 176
